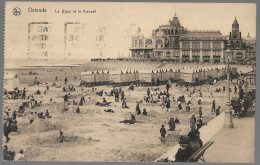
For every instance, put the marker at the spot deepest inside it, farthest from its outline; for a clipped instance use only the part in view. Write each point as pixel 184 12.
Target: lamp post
pixel 228 113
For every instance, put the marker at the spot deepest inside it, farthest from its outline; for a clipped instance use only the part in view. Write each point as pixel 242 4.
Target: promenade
pixel 231 145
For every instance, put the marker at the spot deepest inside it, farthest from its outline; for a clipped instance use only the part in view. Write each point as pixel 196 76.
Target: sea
pixel 12 63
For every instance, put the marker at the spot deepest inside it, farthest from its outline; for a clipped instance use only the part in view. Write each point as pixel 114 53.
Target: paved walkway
pixel 206 133
pixel 231 145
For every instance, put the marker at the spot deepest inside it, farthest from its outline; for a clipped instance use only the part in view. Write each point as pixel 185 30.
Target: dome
pixel 175 21
pixel 160 34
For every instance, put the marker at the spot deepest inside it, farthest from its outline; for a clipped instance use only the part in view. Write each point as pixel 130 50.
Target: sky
pixel 118 21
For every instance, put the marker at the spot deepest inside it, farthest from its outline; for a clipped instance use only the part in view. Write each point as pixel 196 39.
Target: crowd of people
pixel 153 96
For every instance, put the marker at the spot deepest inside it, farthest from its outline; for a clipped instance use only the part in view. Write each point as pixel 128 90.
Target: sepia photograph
pixel 129 82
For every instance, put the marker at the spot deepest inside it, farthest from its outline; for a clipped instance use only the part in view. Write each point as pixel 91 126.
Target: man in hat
pixel 163 133
pixel 172 124
pixel 24 93
pixel 14 114
pixel 137 110
pixel 217 111
pixel 200 111
pixel 61 138
pixel 168 104
pixel 192 122
pixel 213 106
pixel 184 152
pixel 167 87
pixel 148 92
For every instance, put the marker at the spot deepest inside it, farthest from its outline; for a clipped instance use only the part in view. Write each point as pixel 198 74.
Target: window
pixel 206 54
pixel 140 43
pixel 216 54
pixel 168 54
pixel 185 54
pixel 196 45
pixel 159 43
pixel 136 43
pixel 195 53
pixel 148 43
pixel 216 45
pixel 186 45
pixel 176 43
pixel 206 45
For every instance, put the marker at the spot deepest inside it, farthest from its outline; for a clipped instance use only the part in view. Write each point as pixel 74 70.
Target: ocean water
pixel 24 62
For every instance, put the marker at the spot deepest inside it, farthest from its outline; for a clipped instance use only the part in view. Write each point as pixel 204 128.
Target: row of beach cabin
pixel 153 76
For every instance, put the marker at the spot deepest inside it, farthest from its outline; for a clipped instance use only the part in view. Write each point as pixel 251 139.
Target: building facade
pixel 173 42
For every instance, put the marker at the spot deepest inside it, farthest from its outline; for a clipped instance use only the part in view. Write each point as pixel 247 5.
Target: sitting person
pixel 124 105
pixel 81 102
pixel 38 92
pixel 200 94
pixel 200 124
pixel 177 121
pixel 74 102
pixel 132 121
pixel 144 112
pixel 40 115
pixel 184 152
pixel 47 114
pixel 78 110
pixel 195 141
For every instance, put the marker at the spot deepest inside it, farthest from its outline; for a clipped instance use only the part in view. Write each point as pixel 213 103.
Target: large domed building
pixel 173 42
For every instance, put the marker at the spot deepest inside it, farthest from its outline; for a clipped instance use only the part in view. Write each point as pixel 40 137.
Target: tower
pixel 235 30
pixel 235 38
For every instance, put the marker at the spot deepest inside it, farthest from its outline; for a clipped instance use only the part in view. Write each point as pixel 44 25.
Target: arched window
pixel 148 43
pixel 231 45
pixel 168 54
pixel 136 43
pixel 159 43
pixel 141 43
pixel 237 44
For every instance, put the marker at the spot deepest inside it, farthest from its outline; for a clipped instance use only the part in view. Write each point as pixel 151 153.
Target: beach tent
pixel 11 81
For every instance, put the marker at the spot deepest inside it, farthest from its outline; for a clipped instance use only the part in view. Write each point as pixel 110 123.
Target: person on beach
pixel 163 133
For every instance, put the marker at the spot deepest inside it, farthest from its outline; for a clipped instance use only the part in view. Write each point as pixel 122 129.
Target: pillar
pixel 180 56
pixel 201 60
pixel 211 52
pixel 190 50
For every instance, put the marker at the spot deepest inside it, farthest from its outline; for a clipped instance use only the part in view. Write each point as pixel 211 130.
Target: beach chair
pixel 200 152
